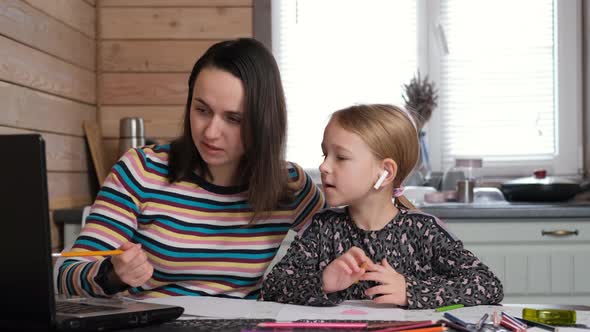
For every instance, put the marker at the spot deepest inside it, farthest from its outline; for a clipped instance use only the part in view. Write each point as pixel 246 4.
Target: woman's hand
pixel 393 284
pixel 344 270
pixel 132 267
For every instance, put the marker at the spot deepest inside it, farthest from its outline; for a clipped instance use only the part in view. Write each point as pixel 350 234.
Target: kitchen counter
pixel 492 210
pixel 507 210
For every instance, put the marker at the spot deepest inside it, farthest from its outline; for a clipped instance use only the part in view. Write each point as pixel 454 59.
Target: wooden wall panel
pixel 111 148
pixel 159 121
pixel 152 56
pixel 63 153
pixel 176 3
pixel 144 88
pixel 77 14
pixel 34 110
pixel 23 65
pixel 68 190
pixel 48 86
pixel 111 151
pixel 28 25
pixel 66 153
pixel 175 23
pixel 147 49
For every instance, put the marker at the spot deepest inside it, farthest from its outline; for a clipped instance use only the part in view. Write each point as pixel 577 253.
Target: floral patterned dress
pixel 437 269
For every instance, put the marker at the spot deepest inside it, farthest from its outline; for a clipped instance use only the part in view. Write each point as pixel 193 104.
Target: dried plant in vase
pixel 421 98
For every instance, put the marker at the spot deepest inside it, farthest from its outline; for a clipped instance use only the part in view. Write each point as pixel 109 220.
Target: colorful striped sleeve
pixel 111 222
pixel 309 199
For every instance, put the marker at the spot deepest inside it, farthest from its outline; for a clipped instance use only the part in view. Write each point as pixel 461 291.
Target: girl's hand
pixel 345 270
pixel 132 267
pixel 393 284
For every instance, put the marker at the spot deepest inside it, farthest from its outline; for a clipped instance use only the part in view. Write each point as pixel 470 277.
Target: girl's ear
pixel 391 167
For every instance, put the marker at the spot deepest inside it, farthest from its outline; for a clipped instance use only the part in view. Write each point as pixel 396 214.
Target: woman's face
pixel 216 114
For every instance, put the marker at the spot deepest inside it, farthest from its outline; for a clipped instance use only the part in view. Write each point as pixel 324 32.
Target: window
pixel 508 89
pixel 329 61
pixel 508 73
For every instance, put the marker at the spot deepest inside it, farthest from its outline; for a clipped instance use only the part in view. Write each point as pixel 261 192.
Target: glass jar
pixel 464 169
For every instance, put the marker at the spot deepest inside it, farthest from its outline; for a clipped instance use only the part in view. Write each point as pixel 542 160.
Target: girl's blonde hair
pixel 389 131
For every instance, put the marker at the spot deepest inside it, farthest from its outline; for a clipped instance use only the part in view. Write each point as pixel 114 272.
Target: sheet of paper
pixel 214 307
pixel 349 310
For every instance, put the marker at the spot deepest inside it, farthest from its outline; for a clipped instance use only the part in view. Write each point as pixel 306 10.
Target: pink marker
pixel 314 325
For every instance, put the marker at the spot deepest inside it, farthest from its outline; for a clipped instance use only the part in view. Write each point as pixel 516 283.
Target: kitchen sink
pixel 481 196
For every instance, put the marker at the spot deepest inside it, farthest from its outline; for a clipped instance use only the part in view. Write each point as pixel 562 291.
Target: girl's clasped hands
pixel 354 265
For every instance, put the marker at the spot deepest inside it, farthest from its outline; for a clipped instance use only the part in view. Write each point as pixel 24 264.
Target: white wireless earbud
pixel 380 180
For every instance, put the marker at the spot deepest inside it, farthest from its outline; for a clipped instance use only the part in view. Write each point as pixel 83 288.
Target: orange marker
pixel 363 266
pixel 428 329
pixel 87 253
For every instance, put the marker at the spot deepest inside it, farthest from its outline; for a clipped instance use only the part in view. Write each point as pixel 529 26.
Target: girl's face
pixel 349 169
pixel 216 114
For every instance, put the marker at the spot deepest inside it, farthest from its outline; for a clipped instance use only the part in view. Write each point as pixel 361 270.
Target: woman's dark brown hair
pixel 263 126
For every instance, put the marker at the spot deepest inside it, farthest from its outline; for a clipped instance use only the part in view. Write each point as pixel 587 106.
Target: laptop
pixel 26 277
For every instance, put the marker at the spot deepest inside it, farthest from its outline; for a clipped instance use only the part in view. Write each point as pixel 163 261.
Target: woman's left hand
pixel 392 286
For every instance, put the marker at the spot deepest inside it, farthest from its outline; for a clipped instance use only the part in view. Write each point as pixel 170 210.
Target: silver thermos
pixel 131 134
pixel 465 190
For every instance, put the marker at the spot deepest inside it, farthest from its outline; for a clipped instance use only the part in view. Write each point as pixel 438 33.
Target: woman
pixel 206 214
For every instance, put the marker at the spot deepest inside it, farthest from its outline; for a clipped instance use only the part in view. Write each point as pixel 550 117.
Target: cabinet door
pixel 528 262
pixel 537 269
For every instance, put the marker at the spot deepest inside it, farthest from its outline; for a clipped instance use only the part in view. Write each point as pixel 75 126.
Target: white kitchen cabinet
pixel 537 260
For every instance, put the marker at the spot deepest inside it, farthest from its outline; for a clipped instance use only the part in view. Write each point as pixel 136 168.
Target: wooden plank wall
pixel 48 85
pixel 146 50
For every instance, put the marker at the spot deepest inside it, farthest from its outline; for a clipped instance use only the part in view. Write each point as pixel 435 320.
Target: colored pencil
pixel 454 326
pixel 454 319
pixel 512 324
pixel 427 329
pixel 537 324
pixel 449 307
pixel 313 325
pixel 481 321
pixel 87 253
pixel 399 326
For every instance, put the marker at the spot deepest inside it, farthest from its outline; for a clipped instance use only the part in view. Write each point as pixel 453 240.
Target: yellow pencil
pixel 87 253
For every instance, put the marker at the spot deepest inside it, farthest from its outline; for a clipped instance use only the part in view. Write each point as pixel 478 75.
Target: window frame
pixel 569 157
pixel 569 95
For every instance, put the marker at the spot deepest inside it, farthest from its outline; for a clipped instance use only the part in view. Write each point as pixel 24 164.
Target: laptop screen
pixel 26 278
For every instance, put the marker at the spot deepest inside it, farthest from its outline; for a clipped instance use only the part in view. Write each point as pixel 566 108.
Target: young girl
pixel 373 247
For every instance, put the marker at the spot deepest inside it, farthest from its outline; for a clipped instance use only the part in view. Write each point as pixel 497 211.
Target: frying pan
pixel 542 188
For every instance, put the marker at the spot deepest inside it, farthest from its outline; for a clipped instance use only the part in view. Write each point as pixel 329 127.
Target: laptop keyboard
pixel 242 324
pixel 217 324
pixel 80 308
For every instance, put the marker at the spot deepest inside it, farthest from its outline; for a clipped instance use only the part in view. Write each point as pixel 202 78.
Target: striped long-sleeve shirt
pixel 195 234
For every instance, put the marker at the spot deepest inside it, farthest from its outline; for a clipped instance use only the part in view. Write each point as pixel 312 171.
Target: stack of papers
pixel 222 308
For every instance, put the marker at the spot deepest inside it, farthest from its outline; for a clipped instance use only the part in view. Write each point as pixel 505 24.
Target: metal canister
pixel 131 134
pixel 465 189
